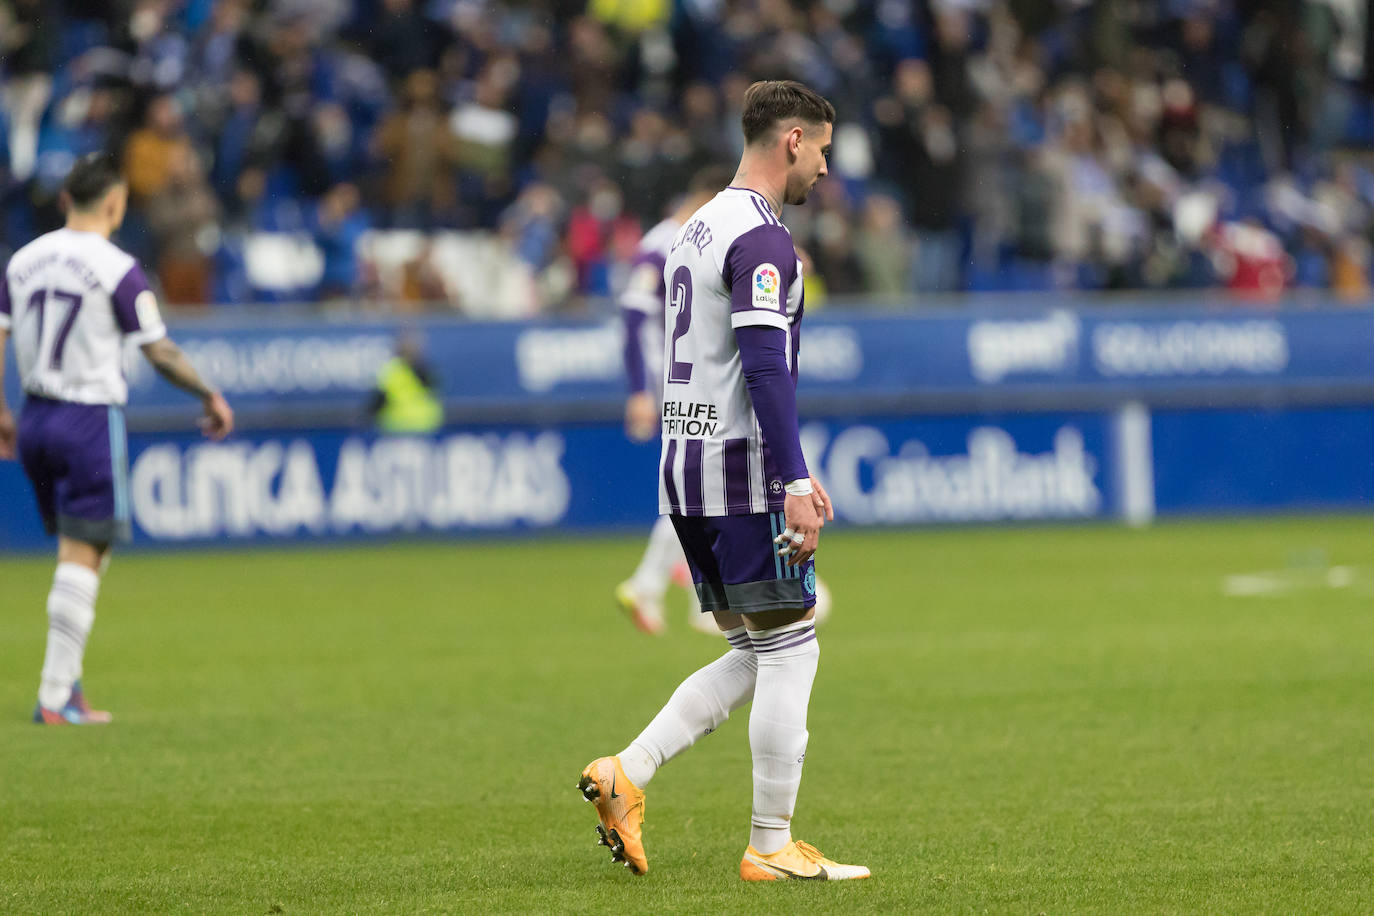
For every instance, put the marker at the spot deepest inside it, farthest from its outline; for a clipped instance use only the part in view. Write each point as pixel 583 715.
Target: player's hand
pixel 641 417
pixel 802 535
pixel 218 421
pixel 7 434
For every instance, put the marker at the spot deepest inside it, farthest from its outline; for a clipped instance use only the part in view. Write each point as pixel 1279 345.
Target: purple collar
pixel 756 194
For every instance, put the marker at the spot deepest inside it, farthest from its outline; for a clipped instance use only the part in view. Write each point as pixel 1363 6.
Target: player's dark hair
pixel 89 180
pixel 770 101
pixel 710 178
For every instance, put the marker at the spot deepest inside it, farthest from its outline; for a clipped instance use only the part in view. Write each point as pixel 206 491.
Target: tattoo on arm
pixel 173 365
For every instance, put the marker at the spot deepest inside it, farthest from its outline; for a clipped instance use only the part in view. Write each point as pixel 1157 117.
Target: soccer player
pixel 72 298
pixel 641 595
pixel 735 483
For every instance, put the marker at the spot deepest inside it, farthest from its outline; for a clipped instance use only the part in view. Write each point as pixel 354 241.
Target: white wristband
pixel 800 487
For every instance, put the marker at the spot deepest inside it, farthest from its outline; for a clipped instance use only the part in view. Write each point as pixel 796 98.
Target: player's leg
pixel 777 602
pixel 707 697
pixel 641 595
pixel 697 707
pixel 75 457
pixel 71 614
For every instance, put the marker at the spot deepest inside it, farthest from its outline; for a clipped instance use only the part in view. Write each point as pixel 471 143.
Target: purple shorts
pixel 77 457
pixel 736 566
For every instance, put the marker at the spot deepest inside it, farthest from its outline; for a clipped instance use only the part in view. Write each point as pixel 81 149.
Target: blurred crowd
pixel 505 157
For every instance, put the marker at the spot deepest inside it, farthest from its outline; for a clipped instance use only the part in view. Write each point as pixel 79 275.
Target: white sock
pixel 697 708
pixel 661 554
pixel 787 658
pixel 71 612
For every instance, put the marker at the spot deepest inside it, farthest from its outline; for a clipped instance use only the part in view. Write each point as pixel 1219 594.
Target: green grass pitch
pixel 1024 720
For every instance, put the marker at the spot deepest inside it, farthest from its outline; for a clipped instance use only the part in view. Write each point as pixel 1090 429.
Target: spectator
pixel 484 133
pixel 419 153
pixel 241 134
pixel 883 248
pixel 152 150
pixel 183 216
pixel 337 224
pixel 401 40
pixel 923 159
pixel 28 29
pixel 600 233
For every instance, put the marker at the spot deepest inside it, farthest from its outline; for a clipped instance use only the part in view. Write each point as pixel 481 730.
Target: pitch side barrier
pixel 951 416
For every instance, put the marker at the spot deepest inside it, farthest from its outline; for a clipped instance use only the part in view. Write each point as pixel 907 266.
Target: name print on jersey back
pixel 697 234
pixel 731 265
pixel 76 299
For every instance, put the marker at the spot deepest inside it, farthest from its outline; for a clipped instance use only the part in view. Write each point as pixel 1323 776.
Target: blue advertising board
pixel 335 484
pixel 908 419
pixel 1255 460
pixel 288 372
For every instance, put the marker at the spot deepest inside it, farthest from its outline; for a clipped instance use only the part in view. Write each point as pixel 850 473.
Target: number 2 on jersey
pixel 73 301
pixel 680 298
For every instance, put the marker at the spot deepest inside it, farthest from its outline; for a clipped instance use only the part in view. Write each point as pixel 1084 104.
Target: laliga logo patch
pixel 766 280
pixel 809 583
pixel 767 287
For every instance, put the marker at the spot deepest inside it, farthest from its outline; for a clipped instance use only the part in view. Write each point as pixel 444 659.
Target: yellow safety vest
pixel 408 407
pixel 632 16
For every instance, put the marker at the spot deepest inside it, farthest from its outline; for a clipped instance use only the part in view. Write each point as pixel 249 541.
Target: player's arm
pixel 761 266
pixel 136 313
pixel 641 409
pixel 7 428
pixel 642 298
pixel 173 365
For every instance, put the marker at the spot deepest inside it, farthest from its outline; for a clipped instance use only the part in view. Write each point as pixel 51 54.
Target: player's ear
pixel 64 202
pixel 794 139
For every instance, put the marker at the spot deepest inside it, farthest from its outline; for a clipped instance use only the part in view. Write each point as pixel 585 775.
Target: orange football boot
pixel 795 861
pixel 620 806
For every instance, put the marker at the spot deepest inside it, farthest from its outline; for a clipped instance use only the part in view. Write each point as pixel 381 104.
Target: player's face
pixel 813 149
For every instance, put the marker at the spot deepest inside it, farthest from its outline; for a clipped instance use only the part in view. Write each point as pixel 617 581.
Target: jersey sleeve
pixel 759 269
pixel 6 311
pixel 632 320
pixel 772 390
pixel 135 308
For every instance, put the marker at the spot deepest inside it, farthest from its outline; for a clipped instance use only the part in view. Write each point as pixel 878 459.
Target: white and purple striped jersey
pixel 71 299
pixel 642 304
pixel 732 265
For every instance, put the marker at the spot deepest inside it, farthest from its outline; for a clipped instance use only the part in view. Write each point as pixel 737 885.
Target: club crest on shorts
pixel 809 583
pixel 775 486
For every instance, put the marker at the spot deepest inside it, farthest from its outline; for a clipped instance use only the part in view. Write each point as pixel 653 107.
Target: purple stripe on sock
pixel 765 640
pixel 736 473
pixel 72 594
pixel 669 460
pixel 811 634
pixel 691 478
pixel 68 630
